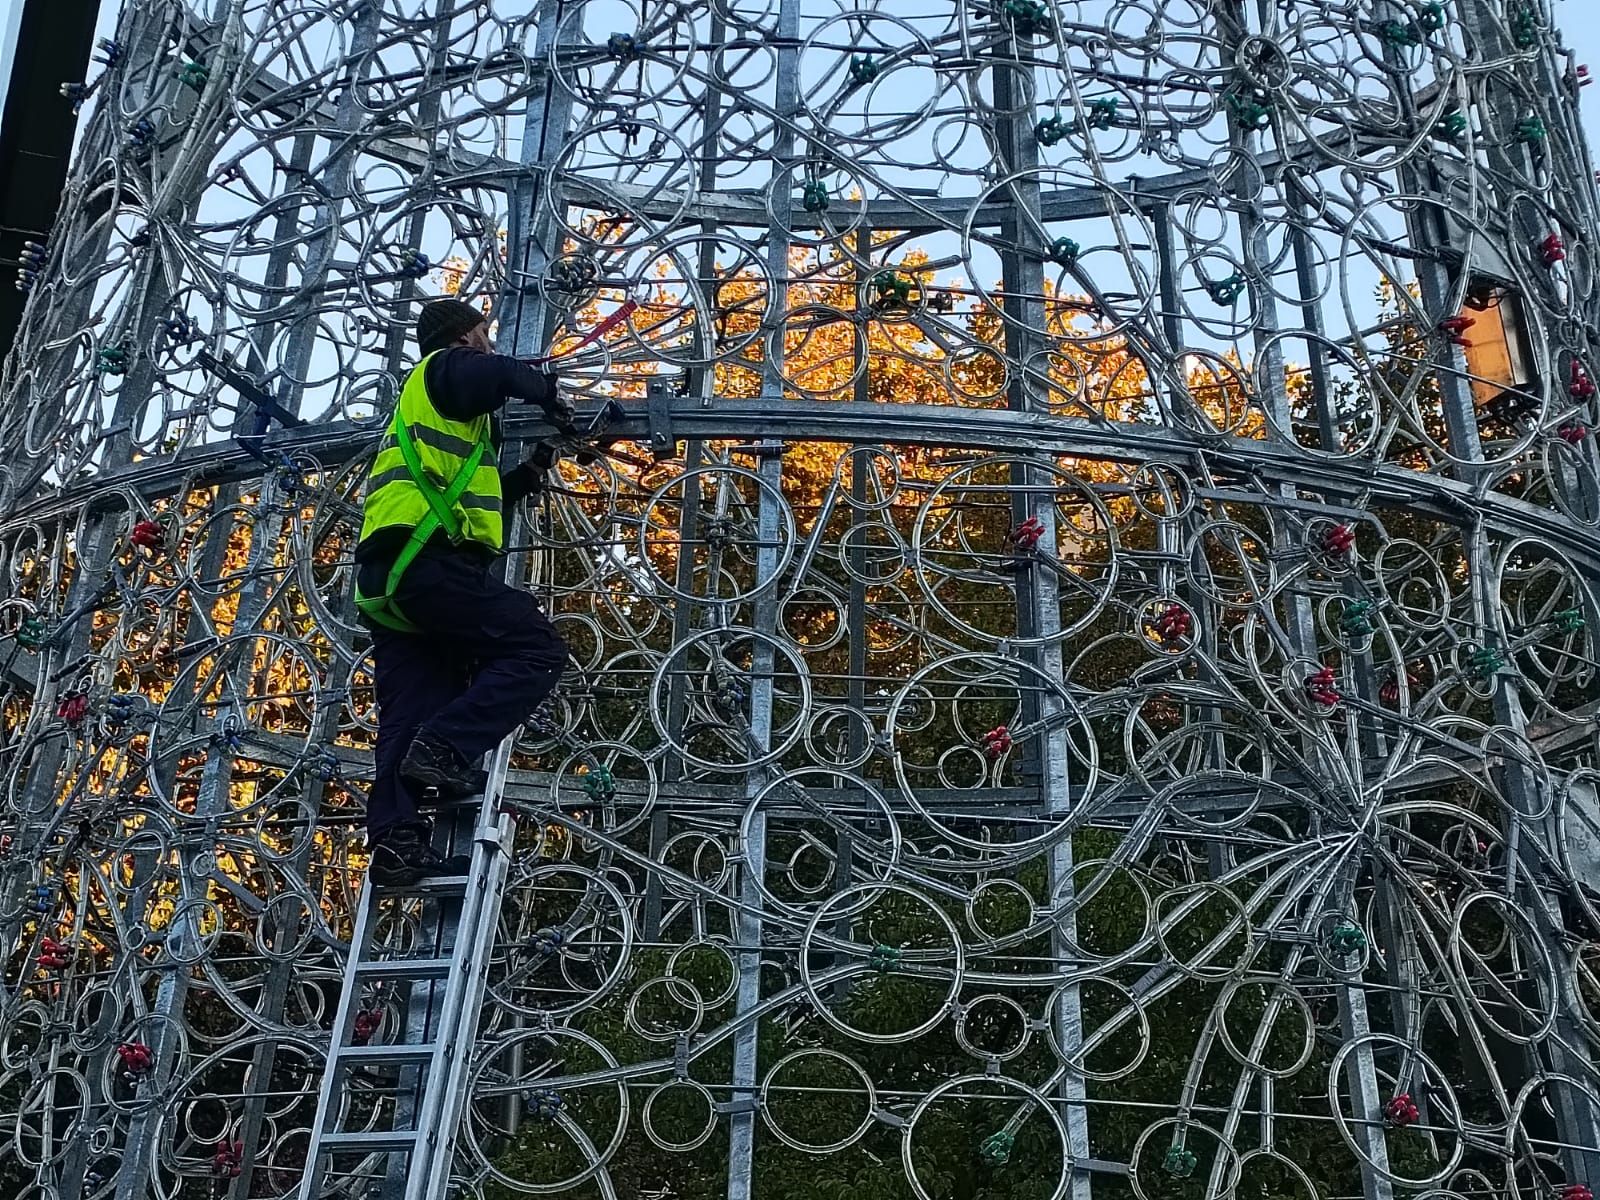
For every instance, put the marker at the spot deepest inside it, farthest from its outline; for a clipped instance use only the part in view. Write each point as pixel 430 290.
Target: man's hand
pixel 560 411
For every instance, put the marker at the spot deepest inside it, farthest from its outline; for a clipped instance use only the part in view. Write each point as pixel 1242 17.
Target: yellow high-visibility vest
pixel 430 473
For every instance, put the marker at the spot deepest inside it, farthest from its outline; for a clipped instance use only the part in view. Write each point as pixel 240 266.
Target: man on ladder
pixel 460 658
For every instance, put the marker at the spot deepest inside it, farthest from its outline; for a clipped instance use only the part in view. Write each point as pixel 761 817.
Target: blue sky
pixel 1578 20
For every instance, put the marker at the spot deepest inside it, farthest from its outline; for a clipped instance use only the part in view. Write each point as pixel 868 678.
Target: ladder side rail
pixel 442 1100
pixel 331 1093
pixel 438 929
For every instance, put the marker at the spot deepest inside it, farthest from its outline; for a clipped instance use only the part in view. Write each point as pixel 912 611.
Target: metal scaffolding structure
pixel 1083 665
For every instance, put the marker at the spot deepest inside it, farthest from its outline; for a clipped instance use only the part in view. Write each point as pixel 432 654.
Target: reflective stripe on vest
pixel 443 447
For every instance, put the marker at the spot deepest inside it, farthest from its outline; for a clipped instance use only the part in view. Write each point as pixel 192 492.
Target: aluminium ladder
pixel 424 1072
pixel 405 1134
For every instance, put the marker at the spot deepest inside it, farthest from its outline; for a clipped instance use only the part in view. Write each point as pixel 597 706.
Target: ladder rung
pixel 405 968
pixel 436 885
pixel 371 1139
pixel 383 1056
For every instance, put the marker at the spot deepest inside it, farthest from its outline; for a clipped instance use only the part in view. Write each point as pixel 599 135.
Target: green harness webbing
pixel 441 514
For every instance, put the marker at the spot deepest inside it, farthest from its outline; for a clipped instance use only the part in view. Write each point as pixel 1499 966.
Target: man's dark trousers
pixel 484 660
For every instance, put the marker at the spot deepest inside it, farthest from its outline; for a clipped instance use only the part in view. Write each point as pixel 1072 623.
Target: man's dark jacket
pixel 464 383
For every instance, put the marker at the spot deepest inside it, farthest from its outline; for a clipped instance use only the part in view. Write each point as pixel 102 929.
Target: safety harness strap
pixel 441 515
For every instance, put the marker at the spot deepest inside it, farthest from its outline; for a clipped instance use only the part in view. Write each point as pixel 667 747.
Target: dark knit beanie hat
pixel 442 321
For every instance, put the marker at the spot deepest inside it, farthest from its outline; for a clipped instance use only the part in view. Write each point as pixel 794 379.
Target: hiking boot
pixel 406 855
pixel 434 765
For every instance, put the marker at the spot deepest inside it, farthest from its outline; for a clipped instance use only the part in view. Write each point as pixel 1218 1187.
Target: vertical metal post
pixel 1531 840
pixel 1038 600
pixel 742 1119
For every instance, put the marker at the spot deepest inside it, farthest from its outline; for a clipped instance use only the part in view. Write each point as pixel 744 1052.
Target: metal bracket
pixel 252 391
pixel 1104 1166
pixel 658 412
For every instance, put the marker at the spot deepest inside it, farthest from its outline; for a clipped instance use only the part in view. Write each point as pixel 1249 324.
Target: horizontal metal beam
pixel 982 430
